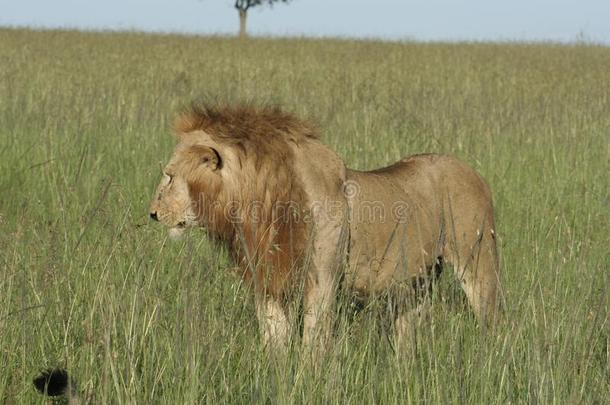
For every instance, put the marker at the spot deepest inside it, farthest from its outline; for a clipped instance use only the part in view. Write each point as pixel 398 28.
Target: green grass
pixel 88 283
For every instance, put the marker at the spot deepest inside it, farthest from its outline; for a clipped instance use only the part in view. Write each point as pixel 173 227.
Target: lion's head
pixel 232 173
pixel 192 174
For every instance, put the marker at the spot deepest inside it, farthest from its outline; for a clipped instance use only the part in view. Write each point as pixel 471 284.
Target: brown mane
pixel 271 247
pixel 244 123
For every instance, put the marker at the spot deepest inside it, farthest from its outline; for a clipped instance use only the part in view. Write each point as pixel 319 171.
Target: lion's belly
pixel 379 259
pixel 393 237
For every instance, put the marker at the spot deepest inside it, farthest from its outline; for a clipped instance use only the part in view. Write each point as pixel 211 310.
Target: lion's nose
pixel 153 215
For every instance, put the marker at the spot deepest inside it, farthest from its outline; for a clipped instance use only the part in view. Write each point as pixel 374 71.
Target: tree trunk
pixel 243 14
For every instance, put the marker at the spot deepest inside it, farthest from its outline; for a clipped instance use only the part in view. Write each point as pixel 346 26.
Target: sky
pixel 426 20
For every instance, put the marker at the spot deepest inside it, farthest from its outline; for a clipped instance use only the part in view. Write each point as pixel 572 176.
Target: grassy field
pixel 88 283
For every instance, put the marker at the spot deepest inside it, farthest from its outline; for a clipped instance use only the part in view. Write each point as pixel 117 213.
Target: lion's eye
pixel 167 178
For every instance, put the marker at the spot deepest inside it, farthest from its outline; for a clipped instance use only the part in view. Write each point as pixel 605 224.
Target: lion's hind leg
pixel 475 263
pixel 412 306
pixel 407 325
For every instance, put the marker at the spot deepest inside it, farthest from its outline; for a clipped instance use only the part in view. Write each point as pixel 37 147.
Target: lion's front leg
pixel 318 303
pixel 273 322
pixel 320 288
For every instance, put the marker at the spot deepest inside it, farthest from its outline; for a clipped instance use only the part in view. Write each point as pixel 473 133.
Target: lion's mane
pixel 268 240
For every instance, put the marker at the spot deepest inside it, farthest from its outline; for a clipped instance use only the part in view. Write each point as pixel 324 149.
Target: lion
pixel 260 180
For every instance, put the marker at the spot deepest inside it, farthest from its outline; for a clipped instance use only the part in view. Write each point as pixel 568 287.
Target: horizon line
pixel 579 40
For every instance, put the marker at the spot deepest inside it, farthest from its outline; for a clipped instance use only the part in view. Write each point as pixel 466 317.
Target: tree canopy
pixel 243 6
pixel 246 4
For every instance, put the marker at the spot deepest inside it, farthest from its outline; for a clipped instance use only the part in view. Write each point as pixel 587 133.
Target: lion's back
pixel 440 174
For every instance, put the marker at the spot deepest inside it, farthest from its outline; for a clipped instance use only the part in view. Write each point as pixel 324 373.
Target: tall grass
pixel 89 284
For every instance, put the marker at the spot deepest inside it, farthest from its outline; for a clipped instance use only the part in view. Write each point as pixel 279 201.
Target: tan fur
pixel 437 209
pixel 259 179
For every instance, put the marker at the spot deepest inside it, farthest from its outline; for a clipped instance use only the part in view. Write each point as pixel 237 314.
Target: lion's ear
pixel 206 156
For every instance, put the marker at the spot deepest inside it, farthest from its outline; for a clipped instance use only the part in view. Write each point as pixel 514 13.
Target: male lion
pixel 292 214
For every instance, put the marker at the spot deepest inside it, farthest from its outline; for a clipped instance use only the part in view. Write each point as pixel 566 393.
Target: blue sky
pixel 453 20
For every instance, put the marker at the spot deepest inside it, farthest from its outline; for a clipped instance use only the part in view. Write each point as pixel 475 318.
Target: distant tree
pixel 243 6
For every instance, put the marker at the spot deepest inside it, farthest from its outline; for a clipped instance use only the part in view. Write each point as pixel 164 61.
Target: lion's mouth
pixel 177 232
